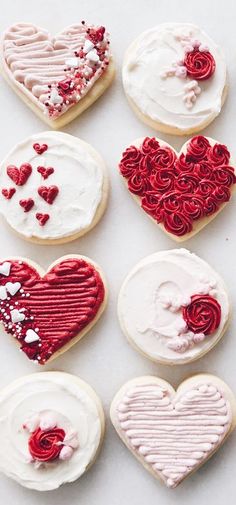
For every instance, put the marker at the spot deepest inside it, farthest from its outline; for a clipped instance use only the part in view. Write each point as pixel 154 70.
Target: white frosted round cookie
pixel 173 307
pixel 52 425
pixel 173 433
pixel 53 188
pixel 58 76
pixel 175 77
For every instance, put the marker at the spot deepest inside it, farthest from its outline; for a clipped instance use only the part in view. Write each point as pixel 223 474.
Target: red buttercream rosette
pixel 203 314
pixel 46 445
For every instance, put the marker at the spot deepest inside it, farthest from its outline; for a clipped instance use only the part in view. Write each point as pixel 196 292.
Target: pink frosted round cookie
pixel 51 431
pixel 173 307
pixel 58 76
pixel 172 433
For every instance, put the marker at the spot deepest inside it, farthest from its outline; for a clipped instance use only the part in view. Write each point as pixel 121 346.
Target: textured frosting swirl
pixel 75 407
pixel 203 314
pixel 178 190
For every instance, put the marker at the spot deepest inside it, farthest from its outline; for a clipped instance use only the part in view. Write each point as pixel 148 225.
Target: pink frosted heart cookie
pixel 172 433
pixel 175 78
pixel 59 76
pixel 173 307
pixel 53 188
pixel 180 191
pixel 57 427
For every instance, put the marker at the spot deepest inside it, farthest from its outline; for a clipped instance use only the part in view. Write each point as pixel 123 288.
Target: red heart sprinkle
pixel 48 193
pixel 19 175
pixel 8 193
pixel 40 149
pixel 42 218
pixel 45 172
pixel 27 204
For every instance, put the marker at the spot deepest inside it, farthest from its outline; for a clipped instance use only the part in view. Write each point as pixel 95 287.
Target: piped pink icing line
pixel 174 436
pixel 35 60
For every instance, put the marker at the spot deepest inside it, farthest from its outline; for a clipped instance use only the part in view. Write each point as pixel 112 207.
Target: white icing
pixel 31 336
pixel 5 268
pixel 3 293
pixel 17 316
pixel 74 407
pixel 78 174
pixel 150 304
pixel 13 287
pixel 163 100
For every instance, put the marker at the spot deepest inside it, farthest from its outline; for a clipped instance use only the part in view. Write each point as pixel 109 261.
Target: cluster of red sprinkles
pixel 176 190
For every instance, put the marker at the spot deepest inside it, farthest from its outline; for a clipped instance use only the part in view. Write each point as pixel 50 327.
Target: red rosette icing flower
pixel 219 155
pixel 203 314
pixel 178 190
pixel 197 148
pixel 200 65
pixel 46 445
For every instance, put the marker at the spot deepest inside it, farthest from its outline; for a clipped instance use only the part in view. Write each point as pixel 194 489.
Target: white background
pixel 122 238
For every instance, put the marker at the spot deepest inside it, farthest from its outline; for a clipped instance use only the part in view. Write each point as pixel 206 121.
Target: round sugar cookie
pixel 52 426
pixel 175 78
pixel 173 307
pixel 53 188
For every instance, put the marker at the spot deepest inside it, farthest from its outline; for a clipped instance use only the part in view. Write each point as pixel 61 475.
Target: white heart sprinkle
pixel 3 293
pixel 13 287
pixel 17 316
pixel 88 46
pixel 72 62
pixel 5 268
pixel 55 98
pixel 31 336
pixel 93 56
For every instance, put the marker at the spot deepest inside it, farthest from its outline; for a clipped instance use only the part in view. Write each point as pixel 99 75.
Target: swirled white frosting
pixel 150 304
pixel 75 407
pixel 162 100
pixel 78 174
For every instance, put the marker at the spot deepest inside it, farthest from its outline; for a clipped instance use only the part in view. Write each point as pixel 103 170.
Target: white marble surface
pixel 123 237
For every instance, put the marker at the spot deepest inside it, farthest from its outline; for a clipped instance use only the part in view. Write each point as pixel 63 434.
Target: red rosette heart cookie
pixel 182 192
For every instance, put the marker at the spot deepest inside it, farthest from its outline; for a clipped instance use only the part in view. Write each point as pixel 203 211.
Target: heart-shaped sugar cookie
pixel 183 191
pixel 58 77
pixel 49 312
pixel 173 433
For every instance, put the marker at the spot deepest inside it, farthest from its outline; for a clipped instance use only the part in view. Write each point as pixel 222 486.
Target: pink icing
pixel 44 66
pixel 174 436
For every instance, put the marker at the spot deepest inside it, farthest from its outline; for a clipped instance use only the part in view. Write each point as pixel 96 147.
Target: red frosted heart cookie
pixel 57 76
pixel 182 191
pixel 49 312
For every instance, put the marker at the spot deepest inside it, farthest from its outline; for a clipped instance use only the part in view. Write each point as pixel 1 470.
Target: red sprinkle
pixel 48 193
pixel 45 172
pixel 8 193
pixel 42 218
pixel 40 149
pixel 19 175
pixel 27 204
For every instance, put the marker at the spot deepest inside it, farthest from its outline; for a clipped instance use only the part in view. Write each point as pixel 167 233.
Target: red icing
pixel 40 148
pixel 42 218
pixel 46 445
pixel 178 190
pixel 203 314
pixel 200 65
pixel 45 172
pixel 8 193
pixel 19 175
pixel 48 193
pixel 62 304
pixel 27 204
